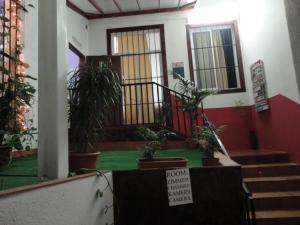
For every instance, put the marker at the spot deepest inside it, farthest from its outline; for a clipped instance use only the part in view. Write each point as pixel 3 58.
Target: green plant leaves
pixel 94 92
pixel 15 93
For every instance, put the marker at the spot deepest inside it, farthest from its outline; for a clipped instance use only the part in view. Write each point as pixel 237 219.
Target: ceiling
pixel 95 9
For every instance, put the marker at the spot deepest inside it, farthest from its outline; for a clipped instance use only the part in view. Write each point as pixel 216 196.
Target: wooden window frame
pixel 137 28
pixel 234 24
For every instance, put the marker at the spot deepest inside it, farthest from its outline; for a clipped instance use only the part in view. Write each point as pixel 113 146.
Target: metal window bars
pixel 10 40
pixel 214 57
pixel 141 55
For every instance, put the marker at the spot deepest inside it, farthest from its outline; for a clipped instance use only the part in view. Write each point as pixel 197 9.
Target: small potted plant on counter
pixel 153 143
pixel 209 143
pixel 94 91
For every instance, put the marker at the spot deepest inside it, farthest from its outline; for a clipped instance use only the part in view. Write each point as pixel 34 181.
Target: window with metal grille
pixel 141 52
pixel 143 68
pixel 10 38
pixel 215 57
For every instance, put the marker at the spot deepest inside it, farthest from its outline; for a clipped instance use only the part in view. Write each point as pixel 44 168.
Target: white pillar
pixel 52 100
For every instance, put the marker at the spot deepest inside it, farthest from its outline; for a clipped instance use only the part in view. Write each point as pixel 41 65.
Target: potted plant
pixel 16 97
pixel 191 99
pixel 209 143
pixel 153 143
pixel 94 91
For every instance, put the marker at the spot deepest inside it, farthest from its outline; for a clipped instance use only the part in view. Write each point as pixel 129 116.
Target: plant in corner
pixel 153 141
pixel 94 91
pixel 16 95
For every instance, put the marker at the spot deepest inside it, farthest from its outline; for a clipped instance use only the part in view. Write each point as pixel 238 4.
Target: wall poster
pixel 259 86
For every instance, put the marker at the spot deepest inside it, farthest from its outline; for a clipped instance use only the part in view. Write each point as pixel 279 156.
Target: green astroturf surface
pixel 120 159
pixel 23 171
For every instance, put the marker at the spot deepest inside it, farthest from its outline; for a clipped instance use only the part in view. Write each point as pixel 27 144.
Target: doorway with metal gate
pixel 143 71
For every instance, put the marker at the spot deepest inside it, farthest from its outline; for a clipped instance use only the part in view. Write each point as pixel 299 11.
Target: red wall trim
pixel 238 121
pixel 276 129
pixel 279 127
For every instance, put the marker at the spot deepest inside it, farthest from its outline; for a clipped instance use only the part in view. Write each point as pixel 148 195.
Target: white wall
pixel 264 35
pixel 214 11
pixel 31 55
pixel 73 203
pixel 176 45
pixel 77 35
pixel 175 35
pixel 77 31
pixel 292 8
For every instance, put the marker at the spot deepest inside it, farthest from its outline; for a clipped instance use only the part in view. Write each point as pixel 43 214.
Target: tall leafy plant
pixel 16 92
pixel 94 91
pixel 191 99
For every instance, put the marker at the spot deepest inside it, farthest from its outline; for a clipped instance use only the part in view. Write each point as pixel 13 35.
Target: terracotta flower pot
pixel 211 162
pixel 24 153
pixel 159 163
pixel 79 161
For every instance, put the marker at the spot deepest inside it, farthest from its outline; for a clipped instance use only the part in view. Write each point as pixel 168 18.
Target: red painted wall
pixel 238 123
pixel 276 129
pixel 279 127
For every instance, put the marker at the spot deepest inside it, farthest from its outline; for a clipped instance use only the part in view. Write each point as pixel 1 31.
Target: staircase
pixel 275 184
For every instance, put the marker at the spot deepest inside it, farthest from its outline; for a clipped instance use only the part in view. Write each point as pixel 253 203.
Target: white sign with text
pixel 179 187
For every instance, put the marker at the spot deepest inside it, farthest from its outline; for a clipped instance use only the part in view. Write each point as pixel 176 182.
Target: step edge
pixel 271 178
pixel 269 165
pixel 275 197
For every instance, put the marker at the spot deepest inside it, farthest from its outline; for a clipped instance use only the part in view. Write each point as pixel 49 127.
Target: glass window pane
pixel 214 57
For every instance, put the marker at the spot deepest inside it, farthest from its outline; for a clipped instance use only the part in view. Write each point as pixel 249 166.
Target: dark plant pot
pixel 191 145
pixel 24 153
pixel 79 161
pixel 159 163
pixel 211 162
pixel 5 155
pixel 171 144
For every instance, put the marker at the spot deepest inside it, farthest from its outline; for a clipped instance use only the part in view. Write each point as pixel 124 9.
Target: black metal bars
pixel 149 104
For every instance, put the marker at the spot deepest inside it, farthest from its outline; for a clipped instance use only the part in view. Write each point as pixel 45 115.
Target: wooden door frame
pixel 78 53
pixel 137 28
